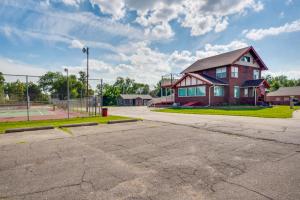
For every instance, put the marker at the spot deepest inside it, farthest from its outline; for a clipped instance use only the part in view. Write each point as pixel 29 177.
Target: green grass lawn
pixel 57 122
pixel 251 111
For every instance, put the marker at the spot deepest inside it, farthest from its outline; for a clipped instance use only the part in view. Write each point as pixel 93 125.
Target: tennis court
pixel 19 113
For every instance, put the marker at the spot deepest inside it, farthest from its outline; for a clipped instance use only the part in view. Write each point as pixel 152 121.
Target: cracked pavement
pixel 152 161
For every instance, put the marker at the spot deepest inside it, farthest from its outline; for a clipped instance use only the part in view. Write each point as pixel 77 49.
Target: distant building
pixel 283 95
pixel 133 99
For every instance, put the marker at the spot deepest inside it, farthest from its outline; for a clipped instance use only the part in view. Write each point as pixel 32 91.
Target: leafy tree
pixel 156 92
pixel 15 90
pixel 110 94
pixel 281 81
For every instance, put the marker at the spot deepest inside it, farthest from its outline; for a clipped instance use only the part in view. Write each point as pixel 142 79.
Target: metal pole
pixel 87 77
pixel 101 95
pixel 27 97
pixel 68 93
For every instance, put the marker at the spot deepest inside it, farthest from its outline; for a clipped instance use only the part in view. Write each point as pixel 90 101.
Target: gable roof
pixel 134 96
pixel 203 77
pixel 253 83
pixel 214 80
pixel 285 91
pixel 223 59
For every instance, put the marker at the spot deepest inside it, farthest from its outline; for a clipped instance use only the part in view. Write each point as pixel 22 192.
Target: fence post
pixel 27 97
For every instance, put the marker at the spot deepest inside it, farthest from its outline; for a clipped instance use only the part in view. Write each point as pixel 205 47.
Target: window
pixel 182 92
pixel 255 74
pixel 234 72
pixel 245 92
pixel 245 59
pixel 218 91
pixel 236 92
pixel 221 72
pixel 200 91
pixel 191 91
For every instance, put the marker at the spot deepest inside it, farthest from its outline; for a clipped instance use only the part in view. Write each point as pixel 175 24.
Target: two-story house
pixel 229 78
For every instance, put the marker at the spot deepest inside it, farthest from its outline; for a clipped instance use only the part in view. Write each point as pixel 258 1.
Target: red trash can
pixel 104 112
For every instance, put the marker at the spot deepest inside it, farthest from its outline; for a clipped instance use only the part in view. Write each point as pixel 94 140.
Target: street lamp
pixel 86 50
pixel 68 92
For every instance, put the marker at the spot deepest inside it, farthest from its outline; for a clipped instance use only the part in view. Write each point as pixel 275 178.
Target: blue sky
pixel 144 39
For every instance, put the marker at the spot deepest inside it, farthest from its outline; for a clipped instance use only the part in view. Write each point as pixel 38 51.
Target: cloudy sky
pixel 144 39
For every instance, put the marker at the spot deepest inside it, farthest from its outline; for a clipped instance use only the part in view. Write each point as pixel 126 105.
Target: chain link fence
pixel 23 97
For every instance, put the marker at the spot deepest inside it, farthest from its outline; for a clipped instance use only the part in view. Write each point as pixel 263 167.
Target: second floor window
pixel 255 74
pixel 234 72
pixel 221 72
pixel 245 59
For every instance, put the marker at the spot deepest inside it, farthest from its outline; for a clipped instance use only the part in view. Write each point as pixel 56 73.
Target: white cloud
pixel 292 74
pixel 200 16
pixel 71 2
pixel 116 8
pixel 289 2
pixel 9 66
pixel 76 44
pixel 258 34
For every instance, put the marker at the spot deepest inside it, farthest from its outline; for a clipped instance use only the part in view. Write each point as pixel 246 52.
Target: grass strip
pixel 249 111
pixel 57 122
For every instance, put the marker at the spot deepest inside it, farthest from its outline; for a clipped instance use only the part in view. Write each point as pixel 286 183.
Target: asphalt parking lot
pixel 148 160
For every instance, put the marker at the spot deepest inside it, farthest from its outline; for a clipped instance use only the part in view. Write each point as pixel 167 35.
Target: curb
pixel 78 125
pixel 15 130
pixel 123 121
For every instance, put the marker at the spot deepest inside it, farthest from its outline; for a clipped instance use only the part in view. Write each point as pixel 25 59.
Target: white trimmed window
pixel 182 92
pixel 191 91
pixel 234 72
pixel 246 92
pixel 236 92
pixel 255 74
pixel 219 91
pixel 200 91
pixel 221 72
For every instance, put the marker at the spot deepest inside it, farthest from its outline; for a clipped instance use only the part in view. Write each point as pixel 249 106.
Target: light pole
pixel 86 50
pixel 68 93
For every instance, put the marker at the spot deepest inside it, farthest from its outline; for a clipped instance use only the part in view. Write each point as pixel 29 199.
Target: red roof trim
pixel 260 60
pixel 190 74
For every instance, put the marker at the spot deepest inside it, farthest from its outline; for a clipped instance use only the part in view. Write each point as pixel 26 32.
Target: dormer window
pixel 221 72
pixel 246 59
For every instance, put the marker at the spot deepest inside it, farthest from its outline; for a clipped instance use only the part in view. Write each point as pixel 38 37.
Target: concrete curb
pixel 123 121
pixel 78 125
pixel 15 130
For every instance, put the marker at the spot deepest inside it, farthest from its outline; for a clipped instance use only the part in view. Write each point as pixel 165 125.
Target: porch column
pixel 209 98
pixel 254 96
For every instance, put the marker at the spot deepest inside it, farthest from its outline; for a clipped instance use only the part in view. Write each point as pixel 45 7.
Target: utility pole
pixel 86 50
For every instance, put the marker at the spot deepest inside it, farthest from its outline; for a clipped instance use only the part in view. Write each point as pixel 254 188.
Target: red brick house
pixel 284 95
pixel 229 78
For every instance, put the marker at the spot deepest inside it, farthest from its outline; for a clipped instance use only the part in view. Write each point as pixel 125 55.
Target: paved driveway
pixel 147 161
pixel 283 130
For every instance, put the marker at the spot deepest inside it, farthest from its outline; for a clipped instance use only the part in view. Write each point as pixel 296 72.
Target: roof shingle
pixel 252 83
pixel 134 96
pixel 285 91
